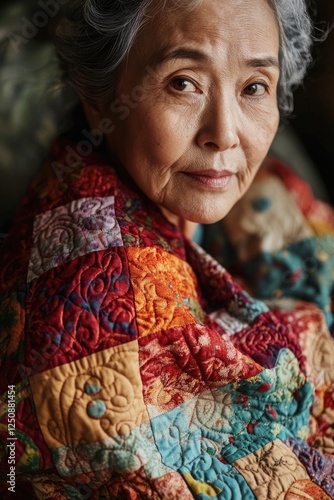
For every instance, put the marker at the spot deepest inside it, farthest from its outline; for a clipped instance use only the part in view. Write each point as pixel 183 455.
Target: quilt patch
pixel 67 232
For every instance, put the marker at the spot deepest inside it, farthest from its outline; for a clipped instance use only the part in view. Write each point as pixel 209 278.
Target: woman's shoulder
pixel 66 199
pixel 67 176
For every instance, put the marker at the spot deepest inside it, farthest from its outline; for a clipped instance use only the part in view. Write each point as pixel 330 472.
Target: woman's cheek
pixel 168 140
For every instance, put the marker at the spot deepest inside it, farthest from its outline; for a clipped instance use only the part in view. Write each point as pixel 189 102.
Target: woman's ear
pixel 93 114
pixel 100 124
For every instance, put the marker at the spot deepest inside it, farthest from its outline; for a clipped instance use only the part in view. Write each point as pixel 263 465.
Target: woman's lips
pixel 214 179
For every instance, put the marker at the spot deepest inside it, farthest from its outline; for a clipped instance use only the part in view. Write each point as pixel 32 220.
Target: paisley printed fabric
pixel 142 369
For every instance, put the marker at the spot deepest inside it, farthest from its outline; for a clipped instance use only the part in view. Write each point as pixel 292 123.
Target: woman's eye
pixel 256 89
pixel 183 85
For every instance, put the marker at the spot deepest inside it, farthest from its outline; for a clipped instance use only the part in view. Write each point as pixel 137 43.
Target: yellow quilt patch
pixel 90 399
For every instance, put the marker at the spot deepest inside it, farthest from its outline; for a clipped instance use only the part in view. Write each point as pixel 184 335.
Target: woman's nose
pixel 219 126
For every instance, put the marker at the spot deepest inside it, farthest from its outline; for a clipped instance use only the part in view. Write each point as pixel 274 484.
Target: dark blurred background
pixel 313 118
pixel 34 107
pixel 33 104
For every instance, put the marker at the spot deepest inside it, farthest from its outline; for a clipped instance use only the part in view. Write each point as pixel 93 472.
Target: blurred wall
pixel 313 119
pixel 33 103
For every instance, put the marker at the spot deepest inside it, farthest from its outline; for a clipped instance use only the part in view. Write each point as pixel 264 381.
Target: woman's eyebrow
pixel 263 62
pixel 196 55
pixel 182 53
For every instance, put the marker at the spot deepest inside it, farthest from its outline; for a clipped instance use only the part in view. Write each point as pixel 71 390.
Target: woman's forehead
pixel 249 26
pixel 210 14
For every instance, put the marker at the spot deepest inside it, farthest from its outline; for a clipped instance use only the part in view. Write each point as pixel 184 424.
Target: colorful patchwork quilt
pixel 133 366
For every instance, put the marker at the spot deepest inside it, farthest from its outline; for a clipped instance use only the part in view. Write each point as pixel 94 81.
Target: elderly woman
pixel 133 366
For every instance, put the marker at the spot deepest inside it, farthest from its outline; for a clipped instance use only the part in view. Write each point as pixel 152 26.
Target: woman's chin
pixel 188 220
pixel 206 215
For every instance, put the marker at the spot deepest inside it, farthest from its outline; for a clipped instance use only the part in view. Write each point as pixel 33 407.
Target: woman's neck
pixel 187 227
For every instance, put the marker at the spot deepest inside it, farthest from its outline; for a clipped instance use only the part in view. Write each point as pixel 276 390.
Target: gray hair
pixel 94 37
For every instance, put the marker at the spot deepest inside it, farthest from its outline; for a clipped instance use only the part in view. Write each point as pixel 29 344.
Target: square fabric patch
pixel 165 290
pixel 67 232
pixel 271 470
pixel 179 363
pixel 84 306
pixel 91 399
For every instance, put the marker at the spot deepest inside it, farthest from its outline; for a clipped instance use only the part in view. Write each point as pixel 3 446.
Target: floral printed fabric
pixel 142 370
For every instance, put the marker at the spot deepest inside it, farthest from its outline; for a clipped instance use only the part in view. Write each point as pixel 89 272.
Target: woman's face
pixel 196 108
